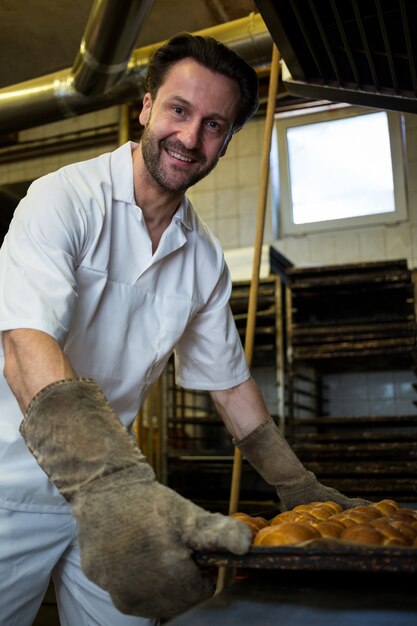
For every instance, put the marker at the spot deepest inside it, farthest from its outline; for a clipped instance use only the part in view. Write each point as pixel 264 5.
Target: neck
pixel 157 205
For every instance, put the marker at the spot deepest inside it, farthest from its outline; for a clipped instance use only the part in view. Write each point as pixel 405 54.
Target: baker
pixel 105 271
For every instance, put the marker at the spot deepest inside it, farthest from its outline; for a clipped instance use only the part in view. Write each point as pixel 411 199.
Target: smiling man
pixel 105 272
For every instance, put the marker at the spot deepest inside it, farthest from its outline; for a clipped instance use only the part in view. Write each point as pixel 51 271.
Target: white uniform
pixel 77 264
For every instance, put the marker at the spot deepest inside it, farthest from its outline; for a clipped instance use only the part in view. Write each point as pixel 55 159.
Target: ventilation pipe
pixel 107 71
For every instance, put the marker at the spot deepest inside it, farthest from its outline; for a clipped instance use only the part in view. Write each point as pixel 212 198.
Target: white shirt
pixel 77 264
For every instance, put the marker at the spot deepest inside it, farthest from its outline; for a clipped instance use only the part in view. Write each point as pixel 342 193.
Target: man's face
pixel 188 125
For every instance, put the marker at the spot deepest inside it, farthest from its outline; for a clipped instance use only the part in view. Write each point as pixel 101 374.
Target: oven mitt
pixel 271 456
pixel 136 536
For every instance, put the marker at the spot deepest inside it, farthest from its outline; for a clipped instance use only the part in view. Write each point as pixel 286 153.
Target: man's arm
pixel 255 434
pixel 241 408
pixel 33 360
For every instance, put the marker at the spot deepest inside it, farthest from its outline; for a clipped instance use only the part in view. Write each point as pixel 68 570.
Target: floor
pixel 48 613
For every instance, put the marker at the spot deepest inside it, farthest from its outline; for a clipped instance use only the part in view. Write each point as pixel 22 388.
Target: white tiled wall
pixel 228 201
pixel 370 393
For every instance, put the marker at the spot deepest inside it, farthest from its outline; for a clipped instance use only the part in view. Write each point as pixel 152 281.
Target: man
pixel 105 271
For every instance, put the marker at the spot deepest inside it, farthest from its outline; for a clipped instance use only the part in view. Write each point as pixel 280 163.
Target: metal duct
pixel 107 44
pixel 55 97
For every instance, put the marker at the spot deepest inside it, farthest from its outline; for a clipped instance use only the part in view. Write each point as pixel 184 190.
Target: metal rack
pixel 199 450
pixel 357 317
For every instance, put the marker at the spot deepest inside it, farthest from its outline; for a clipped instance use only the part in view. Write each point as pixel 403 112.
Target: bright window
pixel 340 168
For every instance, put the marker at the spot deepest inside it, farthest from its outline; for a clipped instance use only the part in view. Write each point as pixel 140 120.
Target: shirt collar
pixel 121 167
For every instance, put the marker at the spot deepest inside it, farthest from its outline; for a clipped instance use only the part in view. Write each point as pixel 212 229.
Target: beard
pixel 169 179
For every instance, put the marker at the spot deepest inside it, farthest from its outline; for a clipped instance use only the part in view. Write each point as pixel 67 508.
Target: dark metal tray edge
pixel 325 555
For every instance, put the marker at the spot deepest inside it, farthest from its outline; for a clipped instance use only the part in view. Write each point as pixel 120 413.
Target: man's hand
pixel 272 457
pixel 136 536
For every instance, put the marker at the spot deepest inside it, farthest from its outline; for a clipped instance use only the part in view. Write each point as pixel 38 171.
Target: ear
pixel 146 109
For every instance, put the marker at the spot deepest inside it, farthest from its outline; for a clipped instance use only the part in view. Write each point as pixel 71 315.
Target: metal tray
pixel 317 555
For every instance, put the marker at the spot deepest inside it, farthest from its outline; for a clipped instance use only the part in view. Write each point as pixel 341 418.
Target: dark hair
pixel 216 57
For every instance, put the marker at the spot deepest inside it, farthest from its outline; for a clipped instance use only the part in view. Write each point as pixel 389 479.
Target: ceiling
pixel 39 37
pixel 358 51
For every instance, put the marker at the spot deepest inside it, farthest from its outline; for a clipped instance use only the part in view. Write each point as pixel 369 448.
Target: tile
pixel 372 244
pixel 295 249
pixel 248 171
pixel 398 241
pixel 403 385
pixel 405 407
pixel 247 140
pixel 383 407
pixel 322 248
pixel 346 246
pixel 228 232
pixel 228 202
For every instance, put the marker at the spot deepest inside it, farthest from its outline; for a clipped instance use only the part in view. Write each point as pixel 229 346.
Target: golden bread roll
pixel 255 524
pixel 392 536
pixel 406 515
pixel 345 519
pixel 320 512
pixel 370 511
pixel 387 507
pixel 290 516
pixel 364 534
pixel 288 533
pixel 261 521
pixel 334 506
pixel 406 529
pixel 357 516
pixel 328 528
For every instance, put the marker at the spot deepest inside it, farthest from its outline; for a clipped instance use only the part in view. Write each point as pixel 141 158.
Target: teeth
pixel 179 156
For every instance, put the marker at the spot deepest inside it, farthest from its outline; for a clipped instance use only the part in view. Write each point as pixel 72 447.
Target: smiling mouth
pixel 179 156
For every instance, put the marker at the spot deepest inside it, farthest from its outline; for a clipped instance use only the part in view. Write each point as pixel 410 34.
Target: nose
pixel 190 134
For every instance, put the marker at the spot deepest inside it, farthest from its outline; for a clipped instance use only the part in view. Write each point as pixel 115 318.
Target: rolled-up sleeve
pixel 37 284
pixel 210 354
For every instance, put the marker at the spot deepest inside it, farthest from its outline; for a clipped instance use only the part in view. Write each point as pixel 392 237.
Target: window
pixel 342 167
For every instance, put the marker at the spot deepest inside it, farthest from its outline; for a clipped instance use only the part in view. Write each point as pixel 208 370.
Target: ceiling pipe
pixel 54 97
pixel 107 44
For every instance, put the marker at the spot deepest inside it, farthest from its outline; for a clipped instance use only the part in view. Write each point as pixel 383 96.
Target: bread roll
pixel 290 516
pixel 386 507
pixel 369 511
pixel 344 518
pixel 328 528
pixel 364 534
pixel 392 536
pixel 406 529
pixel 254 523
pixel 320 512
pixel 285 534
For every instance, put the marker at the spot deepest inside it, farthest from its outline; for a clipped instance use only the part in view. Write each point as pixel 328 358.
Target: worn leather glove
pixel 136 536
pixel 272 457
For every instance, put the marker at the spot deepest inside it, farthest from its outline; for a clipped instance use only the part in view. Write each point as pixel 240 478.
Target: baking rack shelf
pixel 351 318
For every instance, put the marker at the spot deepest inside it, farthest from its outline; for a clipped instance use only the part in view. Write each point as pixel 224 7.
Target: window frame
pixel 396 125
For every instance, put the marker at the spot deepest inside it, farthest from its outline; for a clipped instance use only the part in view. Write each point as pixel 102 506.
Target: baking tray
pixel 317 555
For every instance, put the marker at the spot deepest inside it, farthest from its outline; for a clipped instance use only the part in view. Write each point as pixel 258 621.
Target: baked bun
pixel 328 528
pixel 369 511
pixel 285 534
pixel 254 523
pixel 290 516
pixel 386 507
pixel 364 534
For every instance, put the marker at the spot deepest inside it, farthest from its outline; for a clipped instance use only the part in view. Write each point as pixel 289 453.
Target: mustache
pixel 177 146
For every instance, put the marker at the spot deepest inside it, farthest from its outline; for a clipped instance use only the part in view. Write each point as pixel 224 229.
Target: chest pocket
pixel 122 331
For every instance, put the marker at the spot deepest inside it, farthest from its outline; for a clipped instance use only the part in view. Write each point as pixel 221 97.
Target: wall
pixel 227 200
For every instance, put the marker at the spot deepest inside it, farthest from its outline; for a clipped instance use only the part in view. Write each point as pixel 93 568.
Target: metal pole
pixel 254 286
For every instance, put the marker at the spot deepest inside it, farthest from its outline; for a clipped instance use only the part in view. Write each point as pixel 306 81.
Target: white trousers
pixel 35 547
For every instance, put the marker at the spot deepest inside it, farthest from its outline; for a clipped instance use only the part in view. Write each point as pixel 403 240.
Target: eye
pixel 213 125
pixel 178 110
